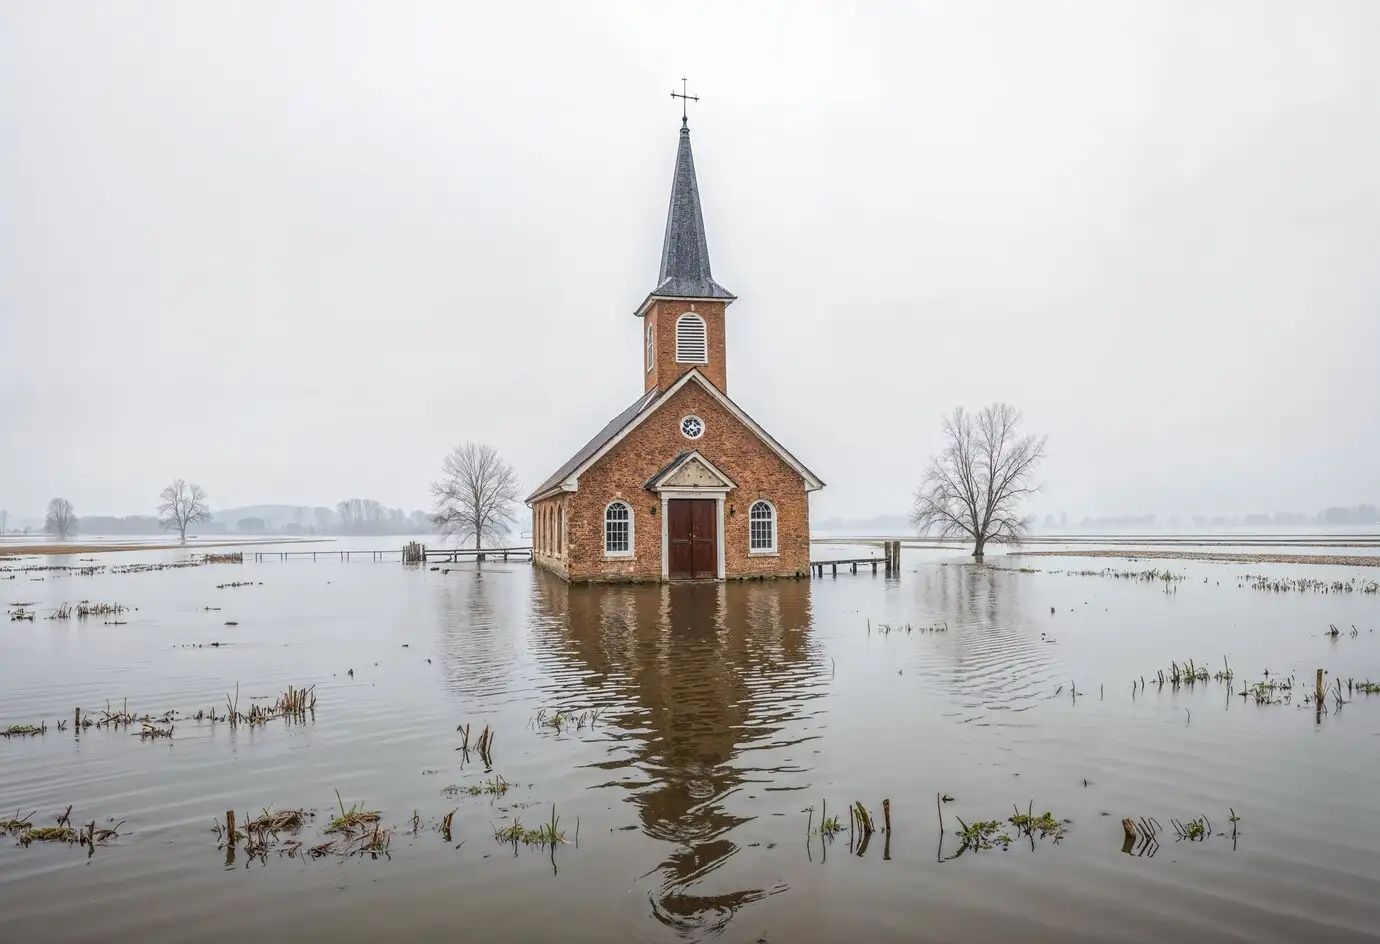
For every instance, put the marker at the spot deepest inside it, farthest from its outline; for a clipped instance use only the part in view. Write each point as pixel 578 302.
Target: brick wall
pixel 665 372
pixel 550 534
pixel 621 474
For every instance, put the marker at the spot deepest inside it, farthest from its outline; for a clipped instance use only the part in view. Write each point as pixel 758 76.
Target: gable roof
pixel 567 477
pixel 612 429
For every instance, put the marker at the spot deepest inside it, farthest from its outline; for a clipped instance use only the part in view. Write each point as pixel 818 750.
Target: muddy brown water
pixel 728 711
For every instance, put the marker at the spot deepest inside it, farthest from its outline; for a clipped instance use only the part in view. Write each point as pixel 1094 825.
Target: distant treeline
pixel 1338 515
pixel 352 516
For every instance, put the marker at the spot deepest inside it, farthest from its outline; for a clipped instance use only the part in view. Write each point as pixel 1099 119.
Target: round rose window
pixel 692 427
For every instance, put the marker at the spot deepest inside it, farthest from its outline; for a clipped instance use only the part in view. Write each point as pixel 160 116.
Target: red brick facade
pixel 568 529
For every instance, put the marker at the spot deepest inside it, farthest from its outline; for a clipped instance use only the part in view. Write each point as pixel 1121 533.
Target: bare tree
pixel 976 485
pixel 183 504
pixel 4 521
pixel 61 520
pixel 476 494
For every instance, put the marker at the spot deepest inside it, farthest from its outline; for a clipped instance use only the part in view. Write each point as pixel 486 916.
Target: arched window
pixel 692 344
pixel 560 528
pixel 618 536
pixel 651 346
pixel 762 528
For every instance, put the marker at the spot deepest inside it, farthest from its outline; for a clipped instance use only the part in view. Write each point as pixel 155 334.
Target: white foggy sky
pixel 296 251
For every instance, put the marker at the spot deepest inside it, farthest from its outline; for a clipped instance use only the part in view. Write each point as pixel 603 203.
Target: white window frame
pixel 651 345
pixel 775 529
pixel 632 547
pixel 704 333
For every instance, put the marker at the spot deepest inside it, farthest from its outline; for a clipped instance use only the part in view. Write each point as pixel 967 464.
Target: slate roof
pixel 614 427
pixel 684 251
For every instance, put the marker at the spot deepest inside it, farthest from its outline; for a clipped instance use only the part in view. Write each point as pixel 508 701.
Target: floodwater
pixel 728 712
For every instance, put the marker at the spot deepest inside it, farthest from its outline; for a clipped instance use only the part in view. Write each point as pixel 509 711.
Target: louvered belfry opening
pixel 692 341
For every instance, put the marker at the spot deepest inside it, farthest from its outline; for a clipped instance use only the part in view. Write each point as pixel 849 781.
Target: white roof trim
pixel 654 297
pixel 812 482
pixel 693 456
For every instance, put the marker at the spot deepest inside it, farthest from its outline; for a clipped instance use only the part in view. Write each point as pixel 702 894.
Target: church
pixel 683 484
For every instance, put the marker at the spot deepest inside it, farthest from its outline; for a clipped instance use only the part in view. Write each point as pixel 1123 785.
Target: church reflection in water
pixel 710 689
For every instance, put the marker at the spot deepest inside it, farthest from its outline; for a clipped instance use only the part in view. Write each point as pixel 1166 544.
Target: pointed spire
pixel 684 251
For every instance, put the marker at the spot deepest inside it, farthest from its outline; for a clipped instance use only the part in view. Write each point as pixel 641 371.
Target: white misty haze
pixel 296 252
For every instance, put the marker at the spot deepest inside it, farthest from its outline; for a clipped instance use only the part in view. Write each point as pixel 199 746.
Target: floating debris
pixel 25 730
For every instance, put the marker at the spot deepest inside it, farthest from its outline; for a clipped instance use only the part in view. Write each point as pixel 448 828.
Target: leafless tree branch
pixel 61 520
pixel 476 494
pixel 182 504
pixel 975 486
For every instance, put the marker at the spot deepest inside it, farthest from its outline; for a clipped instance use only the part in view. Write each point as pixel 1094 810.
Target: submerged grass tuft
pixel 547 834
pixel 353 821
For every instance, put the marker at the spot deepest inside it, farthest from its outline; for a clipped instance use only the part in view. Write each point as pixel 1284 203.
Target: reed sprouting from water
pixel 1045 825
pixel 562 718
pixel 1309 584
pixel 547 834
pixel 295 704
pixel 982 834
pixel 234 557
pixel 353 820
pixel 25 730
pixel 484 744
pixel 1144 576
pixel 494 787
pixel 17 823
pixel 85 609
pixel 89 835
pixel 1195 830
pixel 886 629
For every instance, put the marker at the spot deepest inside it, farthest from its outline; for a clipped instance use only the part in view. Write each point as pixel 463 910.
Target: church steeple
pixel 683 317
pixel 684 251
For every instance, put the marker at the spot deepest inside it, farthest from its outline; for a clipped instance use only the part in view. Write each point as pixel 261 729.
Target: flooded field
pixel 690 743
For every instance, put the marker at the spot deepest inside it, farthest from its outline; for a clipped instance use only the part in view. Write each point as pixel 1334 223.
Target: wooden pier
pixel 413 554
pixel 890 563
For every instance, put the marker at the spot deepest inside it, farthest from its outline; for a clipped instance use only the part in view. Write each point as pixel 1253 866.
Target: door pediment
pixel 690 471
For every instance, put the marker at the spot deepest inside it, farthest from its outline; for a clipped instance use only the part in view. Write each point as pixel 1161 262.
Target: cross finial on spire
pixel 684 99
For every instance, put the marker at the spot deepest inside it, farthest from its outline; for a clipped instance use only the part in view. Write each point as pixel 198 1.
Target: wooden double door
pixel 692 536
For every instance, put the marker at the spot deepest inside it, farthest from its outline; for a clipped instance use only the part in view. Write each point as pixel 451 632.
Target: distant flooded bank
pixel 951 755
pixel 1186 554
pixel 21 549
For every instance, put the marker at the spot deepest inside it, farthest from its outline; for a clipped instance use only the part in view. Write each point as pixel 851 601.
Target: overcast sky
pixel 296 251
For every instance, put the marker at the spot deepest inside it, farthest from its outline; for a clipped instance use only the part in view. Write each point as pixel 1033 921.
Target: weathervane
pixel 684 99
